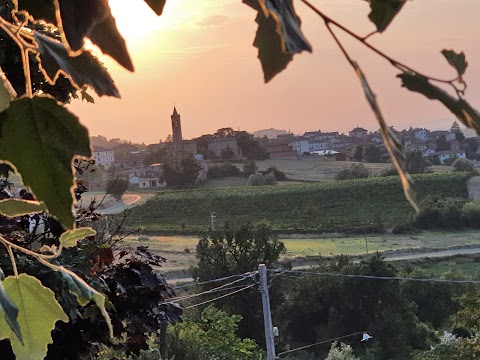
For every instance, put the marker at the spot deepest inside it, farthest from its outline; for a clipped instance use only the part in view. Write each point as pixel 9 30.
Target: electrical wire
pixel 194 283
pixel 318 343
pixel 221 297
pixel 397 278
pixel 217 289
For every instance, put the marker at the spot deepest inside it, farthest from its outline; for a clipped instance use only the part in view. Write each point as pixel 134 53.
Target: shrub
pixel 249 167
pixel 356 171
pixel 390 171
pixel 471 214
pixel 223 170
pixel 463 165
pixel 279 175
pixel 270 179
pixel 403 229
pixel 440 214
pixel 256 180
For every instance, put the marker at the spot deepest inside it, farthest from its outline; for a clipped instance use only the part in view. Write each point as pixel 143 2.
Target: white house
pixel 103 157
pixel 358 132
pixel 421 134
pixel 300 145
pixel 444 155
pixel 315 145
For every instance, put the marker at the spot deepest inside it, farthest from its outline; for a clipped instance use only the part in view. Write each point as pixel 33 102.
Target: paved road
pixel 398 255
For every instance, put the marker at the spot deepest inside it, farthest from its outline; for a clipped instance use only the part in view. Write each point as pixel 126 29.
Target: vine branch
pixel 404 68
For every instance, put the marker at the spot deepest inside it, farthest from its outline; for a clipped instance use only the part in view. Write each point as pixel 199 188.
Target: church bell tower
pixel 176 130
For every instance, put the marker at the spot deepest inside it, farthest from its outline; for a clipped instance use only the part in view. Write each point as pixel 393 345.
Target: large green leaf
pixel 17 207
pixel 83 69
pixel 39 9
pixel 39 137
pixel 78 19
pixel 38 311
pixel 10 311
pixel 383 12
pixel 70 237
pixel 393 145
pixel 85 293
pixel 456 60
pixel 156 5
pixel 279 36
pixel 459 107
pixel 6 92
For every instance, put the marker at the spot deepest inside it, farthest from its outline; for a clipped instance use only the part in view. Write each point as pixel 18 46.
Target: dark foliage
pixel 223 170
pixel 117 187
pixel 180 170
pixel 356 171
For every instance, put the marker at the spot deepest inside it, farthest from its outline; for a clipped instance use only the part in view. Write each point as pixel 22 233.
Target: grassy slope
pixel 316 207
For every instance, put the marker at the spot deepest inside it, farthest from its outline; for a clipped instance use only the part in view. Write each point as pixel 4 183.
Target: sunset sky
pixel 199 55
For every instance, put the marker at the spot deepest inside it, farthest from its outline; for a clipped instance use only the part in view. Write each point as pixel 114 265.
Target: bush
pixel 260 179
pixel 256 180
pixel 403 229
pixel 390 171
pixel 440 214
pixel 356 171
pixel 270 179
pixel 249 167
pixel 223 170
pixel 279 175
pixel 471 214
pixel 463 165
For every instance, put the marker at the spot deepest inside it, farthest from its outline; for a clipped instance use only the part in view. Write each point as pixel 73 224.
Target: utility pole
pixel 267 316
pixel 213 216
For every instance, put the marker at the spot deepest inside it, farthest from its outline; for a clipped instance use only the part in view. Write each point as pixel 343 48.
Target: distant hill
pixel 270 133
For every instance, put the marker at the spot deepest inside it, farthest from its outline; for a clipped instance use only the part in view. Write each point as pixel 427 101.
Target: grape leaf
pixel 70 237
pixel 459 107
pixel 38 311
pixel 10 311
pixel 383 12
pixel 156 5
pixel 39 137
pixel 83 69
pixel 39 9
pixel 92 19
pixel 393 145
pixel 17 207
pixel 278 36
pixel 456 60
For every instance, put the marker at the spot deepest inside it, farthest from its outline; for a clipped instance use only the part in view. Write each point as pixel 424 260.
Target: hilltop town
pixel 141 164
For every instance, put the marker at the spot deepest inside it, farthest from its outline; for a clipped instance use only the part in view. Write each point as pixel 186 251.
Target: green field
pixel 302 208
pixel 180 250
pixel 318 169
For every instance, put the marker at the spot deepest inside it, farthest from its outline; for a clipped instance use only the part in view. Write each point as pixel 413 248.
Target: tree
pixel 416 163
pixel 341 351
pixel 356 171
pixel 455 127
pixel 180 170
pixel 227 153
pixel 358 153
pixel 238 249
pixel 442 143
pixel 213 336
pixel 249 167
pixel 373 154
pixel 117 187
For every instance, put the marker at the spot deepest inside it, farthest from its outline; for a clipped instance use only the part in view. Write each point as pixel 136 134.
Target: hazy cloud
pixel 212 20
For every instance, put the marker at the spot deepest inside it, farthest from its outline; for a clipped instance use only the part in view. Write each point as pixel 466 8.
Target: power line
pixel 194 283
pixel 223 287
pixel 221 297
pixel 397 278
pixel 319 343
